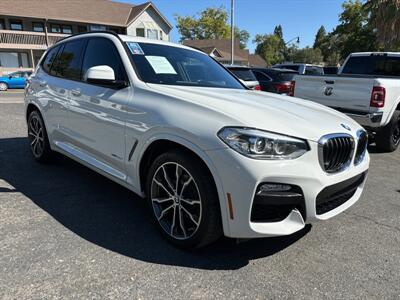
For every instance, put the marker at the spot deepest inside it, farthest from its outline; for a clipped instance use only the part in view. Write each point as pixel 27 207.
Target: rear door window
pixel 68 63
pixel 244 74
pixel 262 77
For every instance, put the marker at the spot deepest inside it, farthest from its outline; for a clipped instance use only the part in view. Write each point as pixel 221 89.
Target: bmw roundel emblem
pixel 346 127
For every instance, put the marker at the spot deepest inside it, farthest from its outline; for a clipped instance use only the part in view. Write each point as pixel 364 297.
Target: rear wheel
pixel 388 138
pixel 183 200
pixel 37 136
pixel 3 86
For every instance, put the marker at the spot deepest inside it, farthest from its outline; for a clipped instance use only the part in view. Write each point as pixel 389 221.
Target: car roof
pixel 128 38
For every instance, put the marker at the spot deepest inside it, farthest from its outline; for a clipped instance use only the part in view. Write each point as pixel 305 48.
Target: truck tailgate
pixel 344 93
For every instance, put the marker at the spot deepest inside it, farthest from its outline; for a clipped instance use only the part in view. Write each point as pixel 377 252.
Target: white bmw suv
pixel 174 126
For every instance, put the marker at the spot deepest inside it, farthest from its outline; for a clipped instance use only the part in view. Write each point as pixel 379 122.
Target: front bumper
pixel 240 176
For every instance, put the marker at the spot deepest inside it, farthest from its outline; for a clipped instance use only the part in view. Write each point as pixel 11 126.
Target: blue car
pixel 15 80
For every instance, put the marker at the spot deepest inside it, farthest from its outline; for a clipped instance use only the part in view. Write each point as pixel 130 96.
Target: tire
pixel 186 224
pixel 38 140
pixel 3 87
pixel 388 138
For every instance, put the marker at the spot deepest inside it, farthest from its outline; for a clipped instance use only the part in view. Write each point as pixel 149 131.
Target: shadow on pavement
pixel 113 217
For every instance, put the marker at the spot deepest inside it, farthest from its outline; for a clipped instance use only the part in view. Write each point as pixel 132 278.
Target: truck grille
pixel 362 145
pixel 335 152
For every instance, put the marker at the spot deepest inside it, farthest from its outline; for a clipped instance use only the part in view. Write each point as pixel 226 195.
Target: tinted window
pixel 68 63
pixel 290 67
pixel 261 76
pixel 373 65
pixel 244 74
pixel 286 76
pixel 100 52
pixel 314 70
pixel 178 66
pixel 49 59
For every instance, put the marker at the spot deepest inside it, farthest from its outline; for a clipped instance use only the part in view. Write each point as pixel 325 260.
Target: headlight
pixel 260 144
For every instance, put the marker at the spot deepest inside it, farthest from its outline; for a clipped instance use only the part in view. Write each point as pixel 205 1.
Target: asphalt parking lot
pixel 67 232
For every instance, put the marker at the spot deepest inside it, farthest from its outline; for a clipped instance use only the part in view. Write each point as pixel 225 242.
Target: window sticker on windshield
pixel 135 48
pixel 160 65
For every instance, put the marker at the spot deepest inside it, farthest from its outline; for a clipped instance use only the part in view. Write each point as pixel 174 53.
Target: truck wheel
pixel 183 200
pixel 388 138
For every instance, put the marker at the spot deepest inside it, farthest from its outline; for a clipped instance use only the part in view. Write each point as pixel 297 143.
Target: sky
pixel 298 17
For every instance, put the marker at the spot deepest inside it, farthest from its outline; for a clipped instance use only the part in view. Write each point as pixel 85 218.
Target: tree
pixel 243 37
pixel 211 23
pixel 320 37
pixel 269 48
pixel 306 55
pixel 355 32
pixel 385 18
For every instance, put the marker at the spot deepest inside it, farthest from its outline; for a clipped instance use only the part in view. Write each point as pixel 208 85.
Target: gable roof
pixel 223 46
pixel 102 12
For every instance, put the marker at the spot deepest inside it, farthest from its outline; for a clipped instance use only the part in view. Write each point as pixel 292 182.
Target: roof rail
pixel 89 32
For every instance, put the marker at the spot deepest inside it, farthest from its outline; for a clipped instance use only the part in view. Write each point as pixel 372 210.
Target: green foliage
pixel 306 55
pixel 211 23
pixel 269 48
pixel 384 16
pixel 355 32
pixel 320 37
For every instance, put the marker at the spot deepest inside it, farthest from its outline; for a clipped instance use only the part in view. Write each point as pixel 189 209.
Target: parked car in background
pixel 209 156
pixel 367 88
pixel 15 80
pixel 331 70
pixel 275 80
pixel 245 75
pixel 302 69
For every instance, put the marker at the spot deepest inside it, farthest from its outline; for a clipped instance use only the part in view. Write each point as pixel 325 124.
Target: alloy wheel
pixel 176 200
pixel 3 86
pixel 36 136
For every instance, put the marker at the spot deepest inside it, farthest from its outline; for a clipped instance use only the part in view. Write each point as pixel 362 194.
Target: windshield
pixel 178 66
pixel 244 74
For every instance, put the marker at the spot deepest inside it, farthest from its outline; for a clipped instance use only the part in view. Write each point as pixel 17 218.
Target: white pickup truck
pixel 367 88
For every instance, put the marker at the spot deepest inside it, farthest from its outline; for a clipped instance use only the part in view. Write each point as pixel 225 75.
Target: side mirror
pixel 103 75
pixel 10 76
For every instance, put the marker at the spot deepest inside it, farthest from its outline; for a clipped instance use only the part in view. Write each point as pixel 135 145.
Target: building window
pixel 82 28
pixel 2 24
pixel 14 60
pixel 67 29
pixel 55 28
pixel 161 35
pixel 140 32
pixel 152 34
pixel 16 25
pixel 97 28
pixel 38 27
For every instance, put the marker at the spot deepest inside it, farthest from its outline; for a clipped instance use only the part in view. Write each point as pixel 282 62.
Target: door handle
pixel 330 81
pixel 42 82
pixel 76 92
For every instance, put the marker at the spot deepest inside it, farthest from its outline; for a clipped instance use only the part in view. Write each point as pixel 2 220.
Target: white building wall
pixel 149 19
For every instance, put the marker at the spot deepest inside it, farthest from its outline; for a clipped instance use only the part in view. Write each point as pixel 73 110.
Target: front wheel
pixel 183 200
pixel 388 138
pixel 3 86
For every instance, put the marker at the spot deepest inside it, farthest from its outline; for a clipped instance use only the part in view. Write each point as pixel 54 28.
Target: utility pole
pixel 232 32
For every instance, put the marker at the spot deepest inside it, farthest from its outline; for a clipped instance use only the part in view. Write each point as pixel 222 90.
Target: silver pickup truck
pixel 367 88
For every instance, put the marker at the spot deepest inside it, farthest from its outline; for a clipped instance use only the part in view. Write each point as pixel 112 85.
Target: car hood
pixel 267 111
